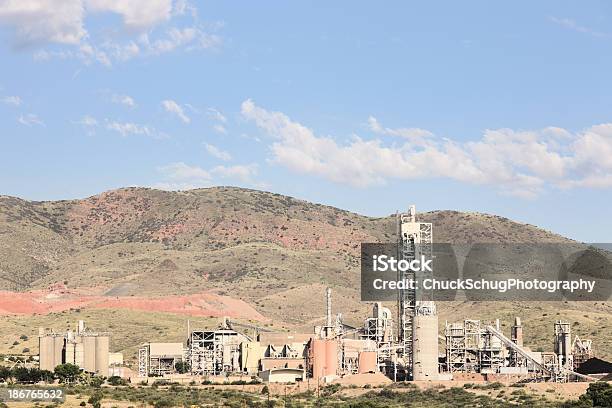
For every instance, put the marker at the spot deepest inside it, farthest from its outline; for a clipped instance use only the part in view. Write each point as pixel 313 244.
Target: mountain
pixel 245 253
pixel 204 237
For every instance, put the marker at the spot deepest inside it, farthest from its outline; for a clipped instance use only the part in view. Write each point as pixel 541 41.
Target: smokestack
pixel 81 327
pixel 517 332
pixel 329 307
pixel 412 213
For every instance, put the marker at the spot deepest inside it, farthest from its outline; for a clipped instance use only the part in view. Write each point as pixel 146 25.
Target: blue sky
pixel 497 108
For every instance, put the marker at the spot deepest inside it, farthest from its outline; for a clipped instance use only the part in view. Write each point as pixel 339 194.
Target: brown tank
pixel 331 357
pixel 367 362
pixel 324 355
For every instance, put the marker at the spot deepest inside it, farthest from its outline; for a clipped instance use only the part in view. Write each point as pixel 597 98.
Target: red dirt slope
pixel 59 299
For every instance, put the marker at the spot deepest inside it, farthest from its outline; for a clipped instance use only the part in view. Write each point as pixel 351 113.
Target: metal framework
pixel 143 362
pixel 415 239
pixel 214 352
pixel 471 348
pixel 156 365
pixel 582 350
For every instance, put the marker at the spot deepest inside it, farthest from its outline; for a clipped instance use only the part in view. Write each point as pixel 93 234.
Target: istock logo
pixel 384 263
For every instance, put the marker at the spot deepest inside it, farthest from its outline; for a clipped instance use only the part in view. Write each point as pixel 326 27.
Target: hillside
pixel 133 237
pixel 118 249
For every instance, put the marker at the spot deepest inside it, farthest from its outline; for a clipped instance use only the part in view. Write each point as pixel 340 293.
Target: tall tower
pixel 563 344
pixel 414 240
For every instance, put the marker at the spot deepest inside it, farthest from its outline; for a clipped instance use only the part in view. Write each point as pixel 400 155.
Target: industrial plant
pixel 82 347
pixel 404 347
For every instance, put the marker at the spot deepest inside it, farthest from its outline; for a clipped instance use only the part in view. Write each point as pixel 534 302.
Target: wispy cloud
pixel 87 120
pixel 176 109
pixel 124 100
pixel 11 100
pixel 216 115
pixel 181 176
pixel 129 128
pixel 220 129
pixel 216 152
pixel 413 134
pixel 30 120
pixel 572 25
pixel 88 123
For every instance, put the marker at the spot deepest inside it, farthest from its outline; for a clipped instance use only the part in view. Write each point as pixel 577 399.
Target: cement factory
pixel 405 347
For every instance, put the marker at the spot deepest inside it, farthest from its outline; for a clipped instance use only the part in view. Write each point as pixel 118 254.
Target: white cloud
pixel 519 163
pixel 216 115
pixel 41 21
pixel 89 124
pixel 181 176
pixel 570 24
pixel 174 108
pixel 88 121
pixel 136 14
pixel 220 129
pixel 243 173
pixel 30 119
pixel 190 38
pixel 414 134
pixel 216 152
pixel 85 52
pixel 128 128
pixel 125 100
pixel 12 100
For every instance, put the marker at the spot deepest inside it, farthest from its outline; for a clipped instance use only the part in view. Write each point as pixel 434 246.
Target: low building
pixel 283 375
pixel 159 359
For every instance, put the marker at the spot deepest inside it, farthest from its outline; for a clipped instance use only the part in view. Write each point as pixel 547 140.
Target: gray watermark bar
pixel 485 271
pixel 32 394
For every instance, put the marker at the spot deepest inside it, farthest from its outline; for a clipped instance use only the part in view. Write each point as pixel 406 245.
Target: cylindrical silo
pixel 58 351
pixel 89 354
pixel 331 357
pixel 102 347
pixel 317 354
pixel 78 352
pixel 367 362
pixel 425 347
pixel 46 353
pixel 69 352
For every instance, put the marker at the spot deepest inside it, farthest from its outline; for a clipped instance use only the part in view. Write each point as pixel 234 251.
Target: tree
pixel 97 381
pixel 47 376
pixel 116 381
pixel 600 393
pixel 22 375
pixel 181 367
pixel 95 399
pixel 5 374
pixel 67 373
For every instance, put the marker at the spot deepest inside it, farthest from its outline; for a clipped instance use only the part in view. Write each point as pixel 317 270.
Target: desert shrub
pixel 116 381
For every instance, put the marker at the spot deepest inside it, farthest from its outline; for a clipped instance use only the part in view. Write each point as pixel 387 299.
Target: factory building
pixel 283 350
pixel 158 359
pixel 85 348
pixel 213 352
pixel 282 375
